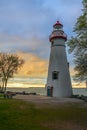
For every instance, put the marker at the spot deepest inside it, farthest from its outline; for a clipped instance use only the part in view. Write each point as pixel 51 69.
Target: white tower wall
pixel 58 63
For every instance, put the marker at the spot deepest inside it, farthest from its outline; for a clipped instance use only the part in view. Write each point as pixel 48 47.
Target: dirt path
pixel 45 99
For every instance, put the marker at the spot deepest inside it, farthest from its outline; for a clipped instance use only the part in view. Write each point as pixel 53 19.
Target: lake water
pixel 42 90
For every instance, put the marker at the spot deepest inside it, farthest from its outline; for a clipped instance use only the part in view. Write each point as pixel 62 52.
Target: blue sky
pixel 25 26
pixel 28 19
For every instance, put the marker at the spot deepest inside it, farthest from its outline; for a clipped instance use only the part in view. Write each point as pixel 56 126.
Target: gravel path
pixel 45 99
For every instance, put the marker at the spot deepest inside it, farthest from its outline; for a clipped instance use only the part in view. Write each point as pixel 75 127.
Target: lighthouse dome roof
pixel 57 25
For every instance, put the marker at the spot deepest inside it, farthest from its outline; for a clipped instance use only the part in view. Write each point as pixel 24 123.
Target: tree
pixel 9 64
pixel 78 45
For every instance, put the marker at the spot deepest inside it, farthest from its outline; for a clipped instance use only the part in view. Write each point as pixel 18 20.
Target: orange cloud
pixel 34 66
pixel 74 83
pixel 78 85
pixel 72 71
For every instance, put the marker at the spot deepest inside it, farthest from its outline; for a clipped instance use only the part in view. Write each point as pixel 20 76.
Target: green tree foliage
pixel 9 64
pixel 78 45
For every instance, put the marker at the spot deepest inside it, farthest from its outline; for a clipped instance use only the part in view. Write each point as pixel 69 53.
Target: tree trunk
pixel 2 87
pixel 5 85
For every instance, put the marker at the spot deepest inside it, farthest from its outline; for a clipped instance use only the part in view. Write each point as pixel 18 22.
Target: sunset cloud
pixel 34 66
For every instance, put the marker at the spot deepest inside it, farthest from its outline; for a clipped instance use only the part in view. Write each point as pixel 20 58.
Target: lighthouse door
pixel 49 91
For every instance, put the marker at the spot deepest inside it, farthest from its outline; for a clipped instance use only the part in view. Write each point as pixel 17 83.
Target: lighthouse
pixel 58 80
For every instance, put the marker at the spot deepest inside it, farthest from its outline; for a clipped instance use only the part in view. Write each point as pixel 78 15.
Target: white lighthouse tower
pixel 58 81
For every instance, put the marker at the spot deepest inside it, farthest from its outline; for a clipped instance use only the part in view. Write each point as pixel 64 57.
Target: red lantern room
pixel 57 25
pixel 58 32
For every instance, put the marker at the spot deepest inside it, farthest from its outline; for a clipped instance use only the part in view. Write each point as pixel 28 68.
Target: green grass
pixel 1 95
pixel 20 115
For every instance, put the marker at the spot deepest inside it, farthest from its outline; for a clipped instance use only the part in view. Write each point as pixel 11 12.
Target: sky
pixel 25 26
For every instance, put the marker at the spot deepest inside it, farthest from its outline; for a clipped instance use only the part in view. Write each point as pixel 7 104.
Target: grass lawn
pixel 1 95
pixel 22 115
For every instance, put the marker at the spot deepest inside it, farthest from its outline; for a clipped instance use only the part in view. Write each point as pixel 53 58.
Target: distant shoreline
pixel 42 90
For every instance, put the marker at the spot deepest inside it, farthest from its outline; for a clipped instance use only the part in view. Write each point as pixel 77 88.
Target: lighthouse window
pixel 54 75
pixel 52 42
